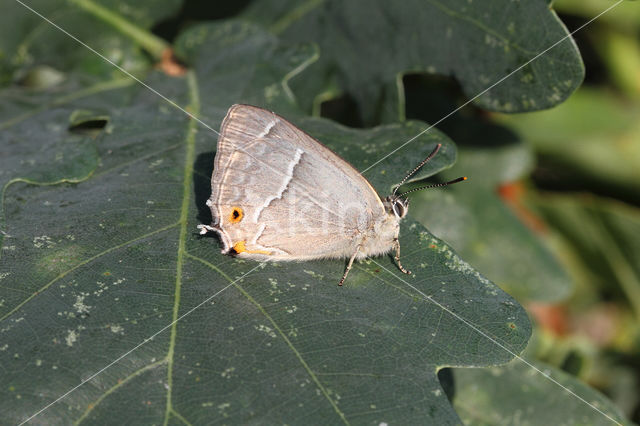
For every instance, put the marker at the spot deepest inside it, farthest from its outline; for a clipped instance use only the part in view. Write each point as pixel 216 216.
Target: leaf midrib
pixel 190 142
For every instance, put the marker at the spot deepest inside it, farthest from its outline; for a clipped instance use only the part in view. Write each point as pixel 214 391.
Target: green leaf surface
pixel 28 41
pixel 91 269
pixel 367 46
pixel 486 397
pixel 487 233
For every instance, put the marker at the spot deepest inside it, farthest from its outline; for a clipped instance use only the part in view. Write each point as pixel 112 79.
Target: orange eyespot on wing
pixel 236 215
pixel 240 247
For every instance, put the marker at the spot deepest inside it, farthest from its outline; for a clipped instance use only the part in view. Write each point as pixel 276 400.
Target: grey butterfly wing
pixel 279 194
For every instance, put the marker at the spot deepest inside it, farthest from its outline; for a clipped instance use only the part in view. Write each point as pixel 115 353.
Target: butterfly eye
pixel 236 215
pixel 400 207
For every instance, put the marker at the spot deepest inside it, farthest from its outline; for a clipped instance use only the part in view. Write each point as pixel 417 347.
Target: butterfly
pixel 277 194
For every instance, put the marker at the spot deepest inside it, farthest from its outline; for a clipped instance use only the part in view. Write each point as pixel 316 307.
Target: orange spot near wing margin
pixel 240 247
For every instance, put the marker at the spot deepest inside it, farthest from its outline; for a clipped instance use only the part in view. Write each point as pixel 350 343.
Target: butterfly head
pixel 398 206
pixel 398 203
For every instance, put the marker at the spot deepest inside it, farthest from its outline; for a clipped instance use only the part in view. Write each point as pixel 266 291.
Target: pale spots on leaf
pixel 556 96
pixel 266 329
pixel 313 274
pixel 455 263
pixel 43 241
pixel 72 335
pixel 272 92
pixel 437 392
pixel 222 407
pixel 4 347
pixel 227 373
pixel 38 362
pixel 4 275
pixel 492 41
pixel 79 304
pixel 291 309
pixel 305 383
pixel 155 163
pixel 117 329
pixel 370 148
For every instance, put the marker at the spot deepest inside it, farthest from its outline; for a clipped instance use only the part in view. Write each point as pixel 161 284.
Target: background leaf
pixel 485 397
pixel 28 42
pixel 362 58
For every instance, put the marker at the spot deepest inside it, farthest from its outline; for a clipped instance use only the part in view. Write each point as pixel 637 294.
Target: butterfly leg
pixel 396 244
pixel 349 265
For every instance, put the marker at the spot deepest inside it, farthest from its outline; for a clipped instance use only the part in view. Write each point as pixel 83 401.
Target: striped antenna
pixel 435 185
pixel 413 172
